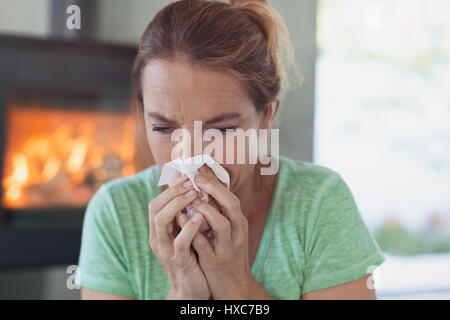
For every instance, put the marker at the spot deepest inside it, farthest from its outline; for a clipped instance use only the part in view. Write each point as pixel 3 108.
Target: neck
pixel 252 188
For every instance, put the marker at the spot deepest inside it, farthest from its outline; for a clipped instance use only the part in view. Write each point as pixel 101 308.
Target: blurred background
pixel 374 106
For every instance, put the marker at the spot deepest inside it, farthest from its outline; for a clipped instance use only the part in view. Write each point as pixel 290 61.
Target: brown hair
pixel 247 39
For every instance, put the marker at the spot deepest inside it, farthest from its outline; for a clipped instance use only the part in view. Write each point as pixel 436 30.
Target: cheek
pixel 237 174
pixel 161 148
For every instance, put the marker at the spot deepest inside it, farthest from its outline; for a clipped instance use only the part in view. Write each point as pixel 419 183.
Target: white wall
pixel 25 17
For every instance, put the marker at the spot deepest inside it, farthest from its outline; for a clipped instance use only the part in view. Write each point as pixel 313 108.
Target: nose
pixel 188 143
pixel 192 142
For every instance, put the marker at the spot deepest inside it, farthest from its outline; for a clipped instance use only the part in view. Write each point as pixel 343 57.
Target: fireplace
pixel 58 152
pixel 65 129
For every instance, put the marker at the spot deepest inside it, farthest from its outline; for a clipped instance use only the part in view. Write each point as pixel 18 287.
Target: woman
pixel 296 234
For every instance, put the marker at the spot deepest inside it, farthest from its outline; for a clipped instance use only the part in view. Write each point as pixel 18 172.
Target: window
pixel 383 122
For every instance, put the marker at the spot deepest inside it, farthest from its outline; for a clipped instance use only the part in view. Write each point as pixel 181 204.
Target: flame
pixel 51 169
pixel 20 174
pixel 77 156
pixel 70 157
pixel 17 179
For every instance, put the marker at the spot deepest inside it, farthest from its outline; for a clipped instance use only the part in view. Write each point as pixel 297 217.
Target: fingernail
pixel 201 179
pixel 190 210
pixel 197 218
pixel 183 218
pixel 189 194
pixel 187 184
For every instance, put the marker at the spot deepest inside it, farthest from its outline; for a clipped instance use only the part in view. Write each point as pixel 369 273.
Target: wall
pixel 25 17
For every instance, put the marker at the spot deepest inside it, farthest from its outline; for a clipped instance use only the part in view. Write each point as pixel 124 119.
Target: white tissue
pixel 189 167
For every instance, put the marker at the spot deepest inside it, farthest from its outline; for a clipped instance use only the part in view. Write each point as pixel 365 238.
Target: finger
pixel 161 200
pixel 202 245
pixel 182 218
pixel 167 215
pixel 219 223
pixel 206 171
pixel 175 227
pixel 227 200
pixel 152 235
pixel 182 185
pixel 158 202
pixel 211 184
pixel 174 207
pixel 183 241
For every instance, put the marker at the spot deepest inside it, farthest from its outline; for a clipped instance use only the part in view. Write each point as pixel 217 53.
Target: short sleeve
pixel 101 264
pixel 340 247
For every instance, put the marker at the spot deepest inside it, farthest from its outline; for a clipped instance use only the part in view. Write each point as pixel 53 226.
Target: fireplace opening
pixel 66 128
pixel 59 151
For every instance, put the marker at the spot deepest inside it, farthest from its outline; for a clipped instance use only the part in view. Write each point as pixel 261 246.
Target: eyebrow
pixel 161 118
pixel 219 118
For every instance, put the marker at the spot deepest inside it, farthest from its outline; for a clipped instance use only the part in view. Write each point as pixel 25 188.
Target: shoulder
pixel 305 189
pixel 318 196
pixel 142 183
pixel 305 177
pixel 131 193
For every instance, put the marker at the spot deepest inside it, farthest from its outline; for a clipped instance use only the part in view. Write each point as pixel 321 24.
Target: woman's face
pixel 176 94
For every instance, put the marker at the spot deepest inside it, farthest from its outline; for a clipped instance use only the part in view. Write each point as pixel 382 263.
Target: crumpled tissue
pixel 189 167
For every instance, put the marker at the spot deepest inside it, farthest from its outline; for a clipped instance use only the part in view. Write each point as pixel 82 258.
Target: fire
pixel 67 164
pixel 17 179
pixel 20 174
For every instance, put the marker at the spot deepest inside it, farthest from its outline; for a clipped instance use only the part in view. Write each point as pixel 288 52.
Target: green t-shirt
pixel 314 236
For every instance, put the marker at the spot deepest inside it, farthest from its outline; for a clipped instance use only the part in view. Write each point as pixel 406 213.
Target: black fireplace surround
pixel 67 69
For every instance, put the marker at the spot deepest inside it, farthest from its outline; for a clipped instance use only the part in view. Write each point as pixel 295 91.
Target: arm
pixel 89 294
pixel 352 290
pixel 342 252
pixel 102 265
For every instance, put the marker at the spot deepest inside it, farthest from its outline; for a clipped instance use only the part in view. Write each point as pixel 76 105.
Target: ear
pixel 268 115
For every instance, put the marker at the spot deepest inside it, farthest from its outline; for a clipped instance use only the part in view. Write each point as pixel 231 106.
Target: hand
pixel 173 250
pixel 224 258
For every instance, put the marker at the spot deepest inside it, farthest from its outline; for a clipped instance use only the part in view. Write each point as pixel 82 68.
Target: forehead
pixel 180 85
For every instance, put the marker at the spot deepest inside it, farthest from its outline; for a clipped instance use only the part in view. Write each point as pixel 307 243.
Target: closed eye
pixel 162 129
pixel 224 129
pixel 169 129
